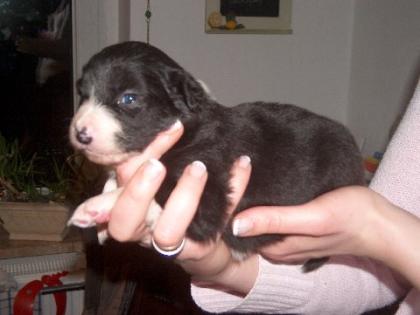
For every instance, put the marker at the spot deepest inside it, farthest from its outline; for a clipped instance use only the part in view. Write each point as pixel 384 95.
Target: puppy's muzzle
pixel 83 136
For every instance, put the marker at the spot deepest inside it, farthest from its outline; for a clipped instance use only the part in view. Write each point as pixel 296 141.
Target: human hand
pixel 340 222
pixel 350 220
pixel 133 176
pixel 210 263
pixel 140 179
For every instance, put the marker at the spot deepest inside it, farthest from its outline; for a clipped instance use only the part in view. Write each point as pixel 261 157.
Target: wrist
pixel 238 277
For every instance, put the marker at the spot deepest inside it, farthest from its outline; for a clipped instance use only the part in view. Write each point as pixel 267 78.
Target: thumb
pixel 301 219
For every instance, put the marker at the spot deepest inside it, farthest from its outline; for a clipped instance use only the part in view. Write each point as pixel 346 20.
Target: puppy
pixel 132 91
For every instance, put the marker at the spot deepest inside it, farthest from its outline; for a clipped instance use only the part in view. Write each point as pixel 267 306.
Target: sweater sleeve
pixel 398 175
pixel 346 285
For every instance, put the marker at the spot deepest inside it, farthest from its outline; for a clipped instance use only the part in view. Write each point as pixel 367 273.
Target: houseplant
pixel 37 192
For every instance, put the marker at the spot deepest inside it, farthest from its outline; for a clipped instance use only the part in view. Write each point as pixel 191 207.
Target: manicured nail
pixel 244 161
pixel 176 126
pixel 241 226
pixel 153 169
pixel 198 169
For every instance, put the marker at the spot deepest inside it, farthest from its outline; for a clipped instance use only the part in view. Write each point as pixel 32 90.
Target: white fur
pixel 206 89
pixel 111 184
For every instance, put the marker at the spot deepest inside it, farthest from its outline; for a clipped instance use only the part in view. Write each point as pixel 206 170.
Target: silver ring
pixel 170 251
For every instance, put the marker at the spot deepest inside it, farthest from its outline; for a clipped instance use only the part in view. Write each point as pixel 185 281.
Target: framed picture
pixel 248 16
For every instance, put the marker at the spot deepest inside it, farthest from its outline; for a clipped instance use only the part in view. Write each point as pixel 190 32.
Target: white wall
pixel 310 68
pixel 96 24
pixel 385 66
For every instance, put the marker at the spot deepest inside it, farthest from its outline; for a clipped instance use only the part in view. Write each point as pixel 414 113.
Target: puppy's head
pixel 130 92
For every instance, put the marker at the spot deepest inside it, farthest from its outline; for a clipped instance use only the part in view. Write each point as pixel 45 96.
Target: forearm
pixel 285 289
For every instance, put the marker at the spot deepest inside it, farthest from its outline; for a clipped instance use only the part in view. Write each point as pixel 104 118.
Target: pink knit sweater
pixel 346 285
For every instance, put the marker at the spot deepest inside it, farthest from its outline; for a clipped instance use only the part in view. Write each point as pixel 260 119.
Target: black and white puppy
pixel 132 91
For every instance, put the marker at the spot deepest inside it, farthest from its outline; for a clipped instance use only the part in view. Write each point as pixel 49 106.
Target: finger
pixel 277 255
pixel 181 206
pixel 308 219
pixel 164 141
pixel 127 218
pixel 240 174
pixel 126 169
pixel 292 246
pixel 160 145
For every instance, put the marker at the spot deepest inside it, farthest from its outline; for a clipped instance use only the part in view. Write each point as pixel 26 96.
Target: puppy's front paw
pixel 94 210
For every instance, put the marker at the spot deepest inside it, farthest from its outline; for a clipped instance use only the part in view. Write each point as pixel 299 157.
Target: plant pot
pixel 34 221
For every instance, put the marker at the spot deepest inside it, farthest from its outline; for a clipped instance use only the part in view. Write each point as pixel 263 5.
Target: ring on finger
pixel 169 251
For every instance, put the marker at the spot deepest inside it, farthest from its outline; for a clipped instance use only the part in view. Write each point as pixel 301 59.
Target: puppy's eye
pixel 128 99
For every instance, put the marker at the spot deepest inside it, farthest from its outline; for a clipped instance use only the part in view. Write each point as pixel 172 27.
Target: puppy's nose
pixel 83 136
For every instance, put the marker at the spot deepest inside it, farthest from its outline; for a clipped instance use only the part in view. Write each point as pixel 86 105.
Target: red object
pixel 25 298
pixel 371 164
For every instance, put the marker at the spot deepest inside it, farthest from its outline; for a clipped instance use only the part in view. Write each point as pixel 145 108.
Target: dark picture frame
pixel 250 16
pixel 255 8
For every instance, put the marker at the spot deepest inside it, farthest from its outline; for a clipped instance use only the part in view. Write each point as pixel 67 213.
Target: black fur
pixel 296 155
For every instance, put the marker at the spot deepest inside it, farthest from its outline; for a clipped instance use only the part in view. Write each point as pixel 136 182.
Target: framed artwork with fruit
pixel 248 16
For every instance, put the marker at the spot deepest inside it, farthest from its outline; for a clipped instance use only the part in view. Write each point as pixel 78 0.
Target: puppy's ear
pixel 186 93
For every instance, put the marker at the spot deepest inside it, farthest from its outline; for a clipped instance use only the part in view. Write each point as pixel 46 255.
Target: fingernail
pixel 176 126
pixel 198 169
pixel 244 161
pixel 241 226
pixel 153 169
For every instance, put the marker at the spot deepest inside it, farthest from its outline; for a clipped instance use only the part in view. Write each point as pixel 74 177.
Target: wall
pixel 96 24
pixel 310 68
pixel 385 66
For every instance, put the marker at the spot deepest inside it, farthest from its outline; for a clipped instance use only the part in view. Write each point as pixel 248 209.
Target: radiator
pixel 28 269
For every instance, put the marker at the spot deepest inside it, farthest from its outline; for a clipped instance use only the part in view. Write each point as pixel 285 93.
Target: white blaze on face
pixel 97 123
